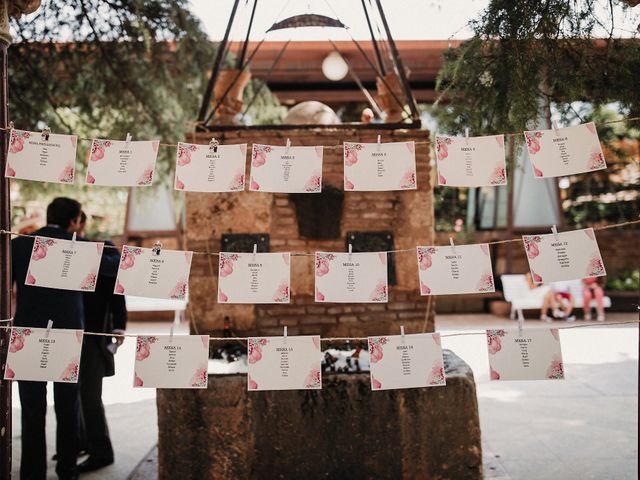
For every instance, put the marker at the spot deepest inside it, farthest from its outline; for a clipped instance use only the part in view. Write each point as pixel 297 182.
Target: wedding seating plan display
pixel 203 168
pixel 153 273
pixel 286 169
pixel 41 156
pixel 455 269
pixel 284 363
pixel 534 354
pixel 171 361
pixel 380 166
pixel 122 163
pixel 254 278
pixel 351 277
pixel 406 361
pixel 64 264
pixel 565 151
pixel 41 355
pixel 471 162
pixel 562 256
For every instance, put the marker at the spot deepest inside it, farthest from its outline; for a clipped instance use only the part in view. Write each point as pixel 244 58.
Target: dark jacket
pixel 35 306
pixel 104 312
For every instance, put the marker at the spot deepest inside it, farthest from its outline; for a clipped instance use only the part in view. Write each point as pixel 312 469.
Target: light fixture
pixel 564 183
pixel 334 67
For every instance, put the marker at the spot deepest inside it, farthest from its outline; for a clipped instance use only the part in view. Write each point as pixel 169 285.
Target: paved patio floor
pixel 584 427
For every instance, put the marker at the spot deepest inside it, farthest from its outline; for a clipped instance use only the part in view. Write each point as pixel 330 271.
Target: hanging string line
pixel 338 339
pixel 312 254
pixel 340 146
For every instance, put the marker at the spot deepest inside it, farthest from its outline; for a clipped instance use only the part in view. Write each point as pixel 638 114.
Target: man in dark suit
pixel 34 307
pixel 104 312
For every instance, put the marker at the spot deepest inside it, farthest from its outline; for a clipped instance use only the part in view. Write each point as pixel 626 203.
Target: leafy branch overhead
pixel 525 54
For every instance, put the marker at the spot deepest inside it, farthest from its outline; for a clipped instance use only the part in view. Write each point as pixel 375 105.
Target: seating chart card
pixel 200 168
pixel 254 278
pixel 379 166
pixel 284 363
pixel 165 361
pixel 153 273
pixel 351 277
pixel 564 256
pixel 64 264
pixel 533 355
pixel 565 151
pixel 36 156
pixel 406 361
pixel 42 355
pixel 471 162
pixel 118 163
pixel 447 270
pixel 276 169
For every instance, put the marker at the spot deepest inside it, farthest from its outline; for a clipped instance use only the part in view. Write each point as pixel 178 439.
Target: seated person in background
pixel 560 301
pixel 540 292
pixel 592 288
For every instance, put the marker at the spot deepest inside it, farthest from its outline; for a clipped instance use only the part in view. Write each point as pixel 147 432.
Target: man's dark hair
pixel 83 217
pixel 62 210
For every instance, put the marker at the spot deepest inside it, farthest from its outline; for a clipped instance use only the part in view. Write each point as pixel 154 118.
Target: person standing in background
pixel 35 306
pixel 104 313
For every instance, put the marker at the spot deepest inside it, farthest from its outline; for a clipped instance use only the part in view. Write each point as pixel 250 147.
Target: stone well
pixel 344 431
pixel 402 219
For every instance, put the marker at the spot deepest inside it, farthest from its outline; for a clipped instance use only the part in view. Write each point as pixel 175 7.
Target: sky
pixel 408 19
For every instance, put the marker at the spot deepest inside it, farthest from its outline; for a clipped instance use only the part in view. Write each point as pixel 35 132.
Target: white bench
pixel 516 291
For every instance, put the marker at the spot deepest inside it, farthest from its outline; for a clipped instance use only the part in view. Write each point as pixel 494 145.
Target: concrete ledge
pixel 343 431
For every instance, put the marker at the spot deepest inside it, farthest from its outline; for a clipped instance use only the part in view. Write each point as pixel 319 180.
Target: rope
pixel 342 339
pixel 340 146
pixel 312 254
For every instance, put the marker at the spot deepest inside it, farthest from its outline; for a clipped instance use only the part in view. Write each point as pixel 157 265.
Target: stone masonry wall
pixel 408 214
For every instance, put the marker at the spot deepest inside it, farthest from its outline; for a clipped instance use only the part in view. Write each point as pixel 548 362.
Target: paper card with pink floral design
pixel 118 163
pixel 351 277
pixel 33 156
pixel 259 278
pixel 447 270
pixel 533 355
pixel 165 361
pixel 39 355
pixel 564 256
pixel 471 162
pixel 567 151
pixel 371 167
pixel 279 363
pixel 201 168
pixel 409 361
pixel 273 169
pixel 64 264
pixel 153 273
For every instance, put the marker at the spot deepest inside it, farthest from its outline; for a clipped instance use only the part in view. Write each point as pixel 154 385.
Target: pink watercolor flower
pixel 286 258
pixel 146 178
pixel 533 142
pixel 10 171
pixel 16 344
pixel 485 284
pixel 237 182
pixel 17 144
pixel 226 263
pixel 252 384
pixel 500 140
pixel 595 267
pixel 184 153
pixel 259 158
pixel 379 294
pixel 314 184
pixel 408 180
pixel 313 379
pixel 90 179
pixel 424 289
pixel 9 373
pixel 589 233
pixel 441 179
pixel 348 185
pixel 436 338
pixel 322 264
pixel 536 278
pixel 281 294
pixel 316 342
pixel 254 346
pixel 97 149
pixel 498 175
pixel 376 348
pixel 351 153
pixel 424 257
pixel 493 340
pixel 119 288
pixel 531 246
pixel 555 332
pixel 143 347
pixel 89 282
pixel 494 374
pixel 70 373
pixel 199 378
pixel 254 185
pixel 31 280
pixel 40 247
pixel 596 160
pixel 375 383
pixel 537 172
pixel 591 127
pixel 66 176
pixel 179 291
pixel 436 375
pixel 243 149
pixel 137 381
pixel 442 150
pixel 179 184
pixel 555 370
pixel 319 296
pixel 222 297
